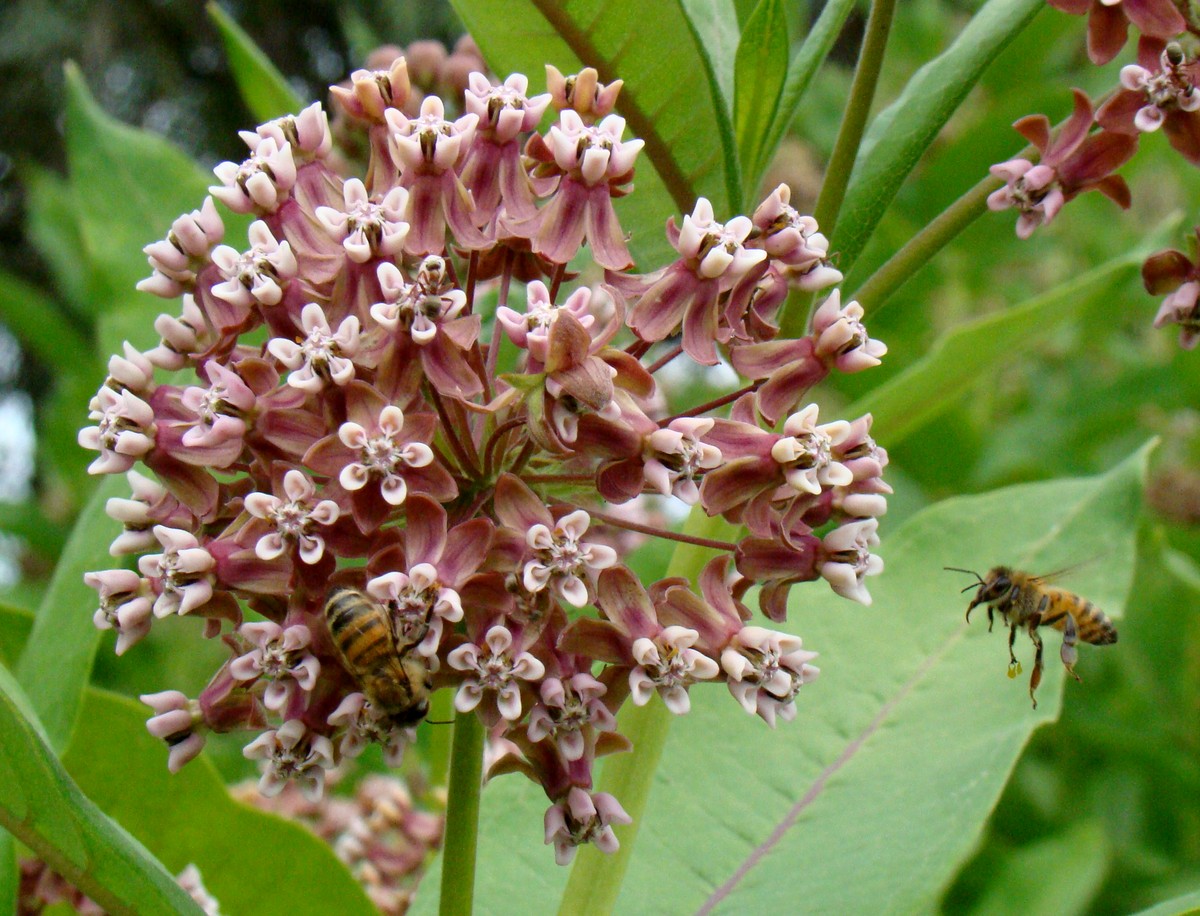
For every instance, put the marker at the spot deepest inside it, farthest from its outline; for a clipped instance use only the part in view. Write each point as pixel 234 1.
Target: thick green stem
pixel 921 248
pixel 462 817
pixel 854 122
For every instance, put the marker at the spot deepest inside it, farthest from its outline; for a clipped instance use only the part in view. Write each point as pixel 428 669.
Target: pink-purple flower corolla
pixel 595 165
pixel 1071 163
pixel 566 708
pixel 323 355
pixel 178 722
pixel 842 339
pixel 677 458
pixel 583 817
pixel 220 412
pixel 429 149
pixel 712 258
pixel 846 558
pixel 148 504
pixel 368 228
pixel 1158 92
pixel 1177 274
pixel 306 133
pixel 363 725
pixel 124 430
pixel 280 656
pixel 177 259
pixel 182 573
pixel 126 600
pixel 260 184
pixel 494 667
pixel 1108 22
pixel 430 333
pixel 794 240
pixel 766 669
pixel 805 452
pixel 292 521
pixel 531 330
pixel 259 275
pixel 372 92
pixel 493 171
pixel 582 92
pixel 182 337
pixel 292 752
pixel 667 663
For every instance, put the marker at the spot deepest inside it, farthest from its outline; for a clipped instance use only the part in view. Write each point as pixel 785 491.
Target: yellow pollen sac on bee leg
pixel 1014 669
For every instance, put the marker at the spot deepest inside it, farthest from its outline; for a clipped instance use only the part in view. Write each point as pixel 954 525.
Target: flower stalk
pixel 462 817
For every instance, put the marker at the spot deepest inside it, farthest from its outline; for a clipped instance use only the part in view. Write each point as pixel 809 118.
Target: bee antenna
pixel 969 572
pixel 439 721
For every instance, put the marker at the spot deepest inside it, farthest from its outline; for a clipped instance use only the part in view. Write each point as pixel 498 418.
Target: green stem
pixel 854 122
pixel 462 817
pixel 921 248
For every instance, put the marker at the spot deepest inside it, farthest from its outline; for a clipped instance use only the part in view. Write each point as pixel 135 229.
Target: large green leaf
pixel 1187 905
pixel 57 661
pixel 762 65
pixel 15 624
pixel 1023 884
pixel 716 25
pixel 36 320
pixel 901 134
pixel 873 796
pixel 43 808
pixel 670 98
pixel 971 351
pixel 254 863
pixel 263 88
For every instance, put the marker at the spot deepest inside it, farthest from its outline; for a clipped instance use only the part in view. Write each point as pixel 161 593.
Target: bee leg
pixel 991 618
pixel 1036 677
pixel 1014 666
pixel 1068 653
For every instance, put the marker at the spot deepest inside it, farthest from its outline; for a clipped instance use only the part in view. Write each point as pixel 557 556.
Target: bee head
pixel 995 585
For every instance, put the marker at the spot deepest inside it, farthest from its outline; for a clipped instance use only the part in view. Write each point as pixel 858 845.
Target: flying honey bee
pixel 1028 602
pixel 393 678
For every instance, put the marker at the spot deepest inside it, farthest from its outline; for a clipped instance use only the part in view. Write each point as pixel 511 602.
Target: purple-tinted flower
pixel 126 600
pixel 1176 273
pixel 841 337
pixel 292 522
pixel 323 356
pixel 766 669
pixel 124 430
pixel 846 559
pixel 668 663
pixel 179 257
pixel 582 92
pixel 373 92
pixel 493 667
pixel 583 817
pixel 795 240
pixel 182 572
pixel 365 725
pixel 1158 92
pixel 806 452
pixel 281 657
pixel 220 411
pixel 677 458
pixel 176 721
pixel 257 276
pixel 1071 164
pixel 292 752
pixel 260 184
pixel 368 229
pixel 531 330
pixel 1108 22
pixel 182 338
pixel 566 708
pixel 306 133
pixel 135 513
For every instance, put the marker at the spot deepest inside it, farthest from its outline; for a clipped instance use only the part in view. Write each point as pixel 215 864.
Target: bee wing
pixel 1065 571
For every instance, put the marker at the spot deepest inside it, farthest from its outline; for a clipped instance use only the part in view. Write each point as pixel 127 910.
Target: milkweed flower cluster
pixel 1157 93
pixel 399 386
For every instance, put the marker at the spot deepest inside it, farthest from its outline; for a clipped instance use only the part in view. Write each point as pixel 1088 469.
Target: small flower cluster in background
pixel 433 379
pixel 40 887
pixel 1158 92
pixel 379 833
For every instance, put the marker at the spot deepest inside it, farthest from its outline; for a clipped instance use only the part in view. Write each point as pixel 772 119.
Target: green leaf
pixel 803 67
pixel 263 88
pixel 15 624
pixel 898 753
pixel 971 351
pixel 57 661
pixel 251 861
pixel 900 135
pixel 44 809
pixel 1023 884
pixel 129 186
pixel 37 321
pixel 900 750
pixel 1178 906
pixel 716 25
pixel 762 65
pixel 26 521
pixel 670 98
pixel 52 227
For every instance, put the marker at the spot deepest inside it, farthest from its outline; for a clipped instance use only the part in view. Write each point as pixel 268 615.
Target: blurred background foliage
pixel 1103 812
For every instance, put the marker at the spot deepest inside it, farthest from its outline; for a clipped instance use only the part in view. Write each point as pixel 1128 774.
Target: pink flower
pixel 260 184
pixel 1108 22
pixel 1176 273
pixel 124 430
pixel 259 275
pixel 125 605
pixel 583 817
pixel 280 657
pixel 323 356
pixel 566 708
pixel 176 721
pixel 766 670
pixel 493 668
pixel 1158 92
pixel 292 752
pixel 365 725
pixel 179 257
pixel 292 522
pixel 847 559
pixel 182 572
pixel 368 229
